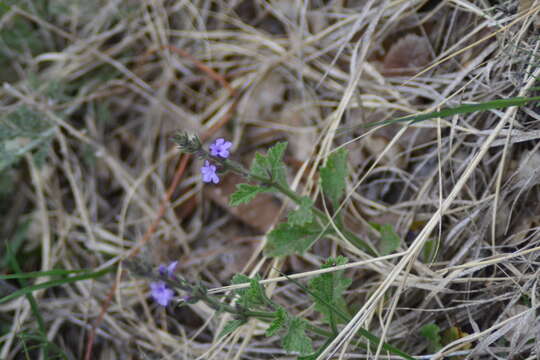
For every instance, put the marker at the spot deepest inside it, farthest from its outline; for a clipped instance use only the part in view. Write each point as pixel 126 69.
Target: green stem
pixel 286 190
pixel 216 304
pixel 33 303
pixel 260 314
pixel 267 316
pixel 319 331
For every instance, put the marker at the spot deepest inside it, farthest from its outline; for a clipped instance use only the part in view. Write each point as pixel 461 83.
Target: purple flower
pixel 220 148
pixel 208 172
pixel 167 270
pixel 161 293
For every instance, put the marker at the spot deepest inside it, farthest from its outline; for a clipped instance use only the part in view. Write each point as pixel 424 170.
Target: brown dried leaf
pixel 267 94
pixel 302 142
pixel 407 56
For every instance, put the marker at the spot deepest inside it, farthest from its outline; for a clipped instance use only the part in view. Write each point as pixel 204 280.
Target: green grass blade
pixel 48 284
pixel 33 303
pixel 36 274
pixel 462 109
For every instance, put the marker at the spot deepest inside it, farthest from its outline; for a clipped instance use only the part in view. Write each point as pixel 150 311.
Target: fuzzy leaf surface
pixel 333 176
pixel 275 162
pixel 244 193
pixel 278 322
pixel 389 238
pixel 287 239
pixel 296 338
pixel 259 165
pixel 271 164
pixel 431 333
pixel 251 296
pixel 23 131
pixel 327 291
pixel 304 213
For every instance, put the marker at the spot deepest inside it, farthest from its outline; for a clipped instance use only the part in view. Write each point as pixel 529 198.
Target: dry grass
pixel 115 79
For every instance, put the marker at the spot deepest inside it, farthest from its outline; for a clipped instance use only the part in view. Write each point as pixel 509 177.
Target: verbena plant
pixel 303 227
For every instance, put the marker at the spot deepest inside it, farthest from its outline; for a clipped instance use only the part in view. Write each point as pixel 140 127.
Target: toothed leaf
pixel 251 296
pixel 304 213
pixel 389 238
pixel 296 338
pixel 244 193
pixel 271 164
pixel 431 333
pixel 327 292
pixel 287 239
pixel 278 322
pixel 333 176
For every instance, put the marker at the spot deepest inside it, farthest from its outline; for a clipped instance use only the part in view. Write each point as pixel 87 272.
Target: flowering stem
pixel 199 292
pixel 219 154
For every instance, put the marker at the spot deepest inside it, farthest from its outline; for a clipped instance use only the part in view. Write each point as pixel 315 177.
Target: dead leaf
pixel 262 101
pixel 407 56
pixel 304 139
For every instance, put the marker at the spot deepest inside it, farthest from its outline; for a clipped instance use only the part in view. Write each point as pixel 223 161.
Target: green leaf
pixel 230 326
pixel 278 322
pixel 4 8
pixel 315 355
pixel 244 193
pixel 251 296
pixel 429 251
pixel 333 176
pixel 287 239
pixel 259 166
pixel 30 297
pixel 271 165
pixel 296 338
pixel 304 213
pixel 275 161
pixel 431 333
pixel 327 292
pixel 389 238
pixel 23 131
pixel 363 332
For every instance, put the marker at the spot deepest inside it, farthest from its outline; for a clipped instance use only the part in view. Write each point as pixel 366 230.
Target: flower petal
pixel 171 267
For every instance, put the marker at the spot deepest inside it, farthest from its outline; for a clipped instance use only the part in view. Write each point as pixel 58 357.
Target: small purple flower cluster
pixel 161 293
pixel 219 148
